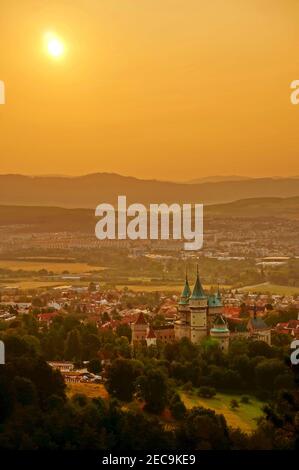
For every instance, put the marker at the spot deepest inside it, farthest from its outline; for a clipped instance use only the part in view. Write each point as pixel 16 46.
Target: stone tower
pixel 197 314
pixel 220 332
pixel 215 308
pixel 139 329
pixel 181 327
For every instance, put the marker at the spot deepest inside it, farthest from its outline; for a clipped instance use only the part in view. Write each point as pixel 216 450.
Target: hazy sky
pixel 171 89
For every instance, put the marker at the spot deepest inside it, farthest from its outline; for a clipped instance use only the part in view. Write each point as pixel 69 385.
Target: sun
pixel 54 45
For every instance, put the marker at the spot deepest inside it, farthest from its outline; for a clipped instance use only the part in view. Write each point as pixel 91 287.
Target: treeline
pixel 36 414
pixel 249 365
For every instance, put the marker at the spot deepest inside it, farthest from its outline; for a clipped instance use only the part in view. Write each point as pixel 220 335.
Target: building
pixel 62 366
pixel 220 332
pixel 258 330
pixel 201 315
pixel 139 329
pixel 143 332
pixel 197 312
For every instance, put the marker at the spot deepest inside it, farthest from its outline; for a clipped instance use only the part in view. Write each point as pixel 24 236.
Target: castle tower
pixel 215 308
pixel 181 327
pixel 220 332
pixel 139 329
pixel 197 315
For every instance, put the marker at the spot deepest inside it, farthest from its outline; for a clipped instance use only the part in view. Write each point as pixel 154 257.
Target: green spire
pixel 198 292
pixel 186 291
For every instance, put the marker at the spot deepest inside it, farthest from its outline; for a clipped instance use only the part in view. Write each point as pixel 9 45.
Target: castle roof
pixel 186 293
pixel 140 319
pixel 198 292
pixel 220 325
pixel 257 324
pixel 151 333
pixel 214 301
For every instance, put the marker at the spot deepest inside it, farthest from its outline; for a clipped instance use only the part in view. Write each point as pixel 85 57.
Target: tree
pixel 122 347
pixel 25 391
pixel 202 429
pixel 121 376
pixel 267 371
pixel 177 407
pixel 124 330
pixel 92 287
pixel 73 348
pixel 260 348
pixel 91 344
pixel 153 389
pixel 234 404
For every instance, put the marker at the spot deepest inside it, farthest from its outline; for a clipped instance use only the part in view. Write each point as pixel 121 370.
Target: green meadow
pixel 245 417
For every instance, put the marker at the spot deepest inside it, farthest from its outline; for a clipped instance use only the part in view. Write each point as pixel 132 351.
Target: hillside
pixel 90 190
pixel 57 219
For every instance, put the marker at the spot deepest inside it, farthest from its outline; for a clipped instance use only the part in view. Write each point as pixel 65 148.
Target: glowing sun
pixel 54 45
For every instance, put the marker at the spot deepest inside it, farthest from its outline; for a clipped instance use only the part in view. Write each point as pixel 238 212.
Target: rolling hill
pixel 90 190
pixel 57 219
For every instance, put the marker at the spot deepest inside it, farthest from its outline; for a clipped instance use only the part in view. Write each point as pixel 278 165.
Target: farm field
pixel 89 389
pixel 272 288
pixel 30 284
pixel 54 266
pixel 243 417
pixel 160 287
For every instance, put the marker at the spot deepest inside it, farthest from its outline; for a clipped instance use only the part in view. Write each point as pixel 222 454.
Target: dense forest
pixel 35 412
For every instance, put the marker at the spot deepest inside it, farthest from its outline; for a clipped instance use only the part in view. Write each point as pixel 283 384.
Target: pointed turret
pixel 220 324
pixel 186 292
pixel 198 292
pixel 220 332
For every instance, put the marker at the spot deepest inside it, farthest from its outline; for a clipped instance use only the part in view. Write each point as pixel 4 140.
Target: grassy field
pixel 88 389
pixel 272 288
pixel 160 288
pixel 150 288
pixel 56 267
pixel 243 417
pixel 31 284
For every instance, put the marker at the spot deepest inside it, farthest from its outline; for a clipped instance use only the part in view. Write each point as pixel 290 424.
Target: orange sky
pixel 170 89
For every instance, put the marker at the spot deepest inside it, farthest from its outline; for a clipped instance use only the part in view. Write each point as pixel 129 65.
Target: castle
pixel 200 315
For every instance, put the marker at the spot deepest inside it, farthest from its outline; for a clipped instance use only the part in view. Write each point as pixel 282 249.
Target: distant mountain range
pixel 90 190
pixel 217 179
pixel 57 219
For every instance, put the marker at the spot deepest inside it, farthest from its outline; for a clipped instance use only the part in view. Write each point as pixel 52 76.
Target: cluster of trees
pixel 253 367
pixel 249 365
pixel 126 270
pixel 36 414
pixel 68 337
pixel 286 274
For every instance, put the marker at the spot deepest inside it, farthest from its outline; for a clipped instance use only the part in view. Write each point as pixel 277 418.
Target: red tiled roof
pixel 140 320
pixel 47 316
pixel 231 311
pixel 151 333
